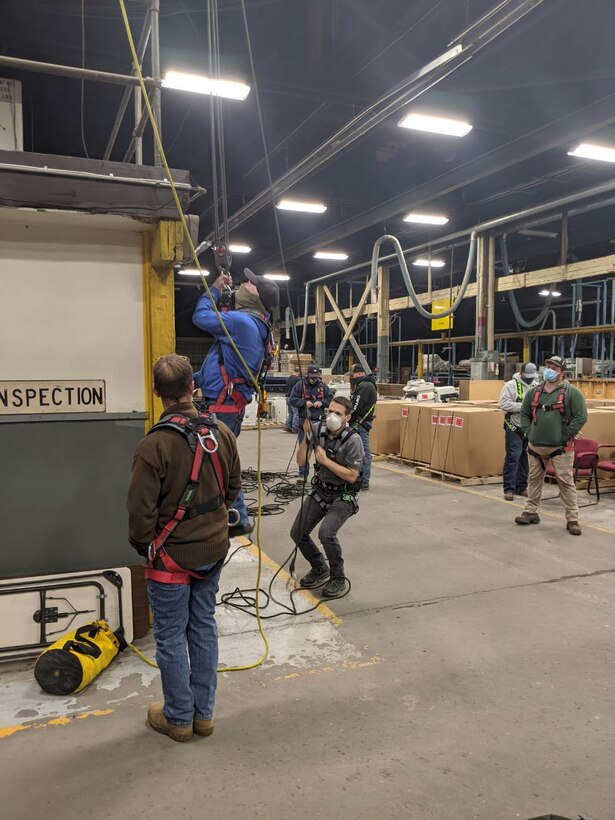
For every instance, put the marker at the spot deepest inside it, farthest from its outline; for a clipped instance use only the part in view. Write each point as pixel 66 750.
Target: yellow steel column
pixel 161 250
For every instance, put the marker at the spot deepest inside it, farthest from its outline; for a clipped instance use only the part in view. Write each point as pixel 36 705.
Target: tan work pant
pixel 563 466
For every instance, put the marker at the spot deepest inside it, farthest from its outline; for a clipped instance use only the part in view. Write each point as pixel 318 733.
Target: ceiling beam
pixel 459 51
pixel 573 126
pixel 602 266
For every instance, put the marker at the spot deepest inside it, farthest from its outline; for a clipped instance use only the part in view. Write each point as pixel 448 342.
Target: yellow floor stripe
pixel 7 731
pixel 312 600
pixel 449 485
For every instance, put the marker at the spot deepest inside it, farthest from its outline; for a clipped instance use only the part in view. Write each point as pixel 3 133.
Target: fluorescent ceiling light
pixel 239 248
pixel 298 205
pixel 589 151
pixel 194 272
pixel 435 125
pixel 426 219
pixel 199 84
pixel 277 277
pixel 425 263
pixel 546 292
pixel 340 257
pixel 555 293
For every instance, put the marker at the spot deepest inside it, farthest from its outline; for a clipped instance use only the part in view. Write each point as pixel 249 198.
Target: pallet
pixel 463 481
pixel 265 425
pixel 408 462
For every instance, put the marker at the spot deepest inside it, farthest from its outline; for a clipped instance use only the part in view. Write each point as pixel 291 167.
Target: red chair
pixel 608 465
pixel 586 463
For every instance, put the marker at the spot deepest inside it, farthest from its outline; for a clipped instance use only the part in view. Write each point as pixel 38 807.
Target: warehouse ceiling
pixel 318 64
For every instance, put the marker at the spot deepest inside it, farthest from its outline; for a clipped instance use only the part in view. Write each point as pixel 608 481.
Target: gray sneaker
pixel 315 577
pixel 334 588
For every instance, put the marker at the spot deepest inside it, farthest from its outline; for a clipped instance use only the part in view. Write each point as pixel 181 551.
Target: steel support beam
pixel 347 328
pixel 154 11
pixel 136 135
pixel 490 292
pixel 481 297
pixel 569 128
pixel 383 326
pixel 321 328
pixel 73 71
pixel 461 49
pixel 141 48
pixel 589 268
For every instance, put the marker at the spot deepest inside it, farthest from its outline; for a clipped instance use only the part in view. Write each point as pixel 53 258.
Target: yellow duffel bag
pixel 70 664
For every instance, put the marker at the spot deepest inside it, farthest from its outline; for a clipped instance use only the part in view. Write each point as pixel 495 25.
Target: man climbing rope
pixel 332 498
pixel 224 384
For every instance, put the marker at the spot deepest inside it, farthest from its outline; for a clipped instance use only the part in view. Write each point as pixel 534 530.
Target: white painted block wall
pixel 71 301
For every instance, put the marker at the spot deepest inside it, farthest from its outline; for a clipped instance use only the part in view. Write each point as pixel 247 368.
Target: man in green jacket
pixel 552 415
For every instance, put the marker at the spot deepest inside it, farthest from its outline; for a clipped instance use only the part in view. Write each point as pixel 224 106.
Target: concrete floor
pixel 469 674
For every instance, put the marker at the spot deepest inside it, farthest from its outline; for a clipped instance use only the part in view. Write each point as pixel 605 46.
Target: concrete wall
pixel 71 302
pixel 71 307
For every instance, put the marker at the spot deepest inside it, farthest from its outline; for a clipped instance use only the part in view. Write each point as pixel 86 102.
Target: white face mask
pixel 334 422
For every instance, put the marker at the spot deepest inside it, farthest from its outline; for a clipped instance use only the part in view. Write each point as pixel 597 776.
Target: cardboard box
pixel 384 436
pixel 418 425
pixel 480 389
pixel 468 442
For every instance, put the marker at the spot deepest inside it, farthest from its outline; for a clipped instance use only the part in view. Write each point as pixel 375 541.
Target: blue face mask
pixel 550 375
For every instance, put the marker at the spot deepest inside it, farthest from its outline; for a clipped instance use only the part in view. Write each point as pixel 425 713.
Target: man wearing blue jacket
pixel 222 379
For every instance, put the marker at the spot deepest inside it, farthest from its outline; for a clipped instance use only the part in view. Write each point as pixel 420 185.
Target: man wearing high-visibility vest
pixel 515 464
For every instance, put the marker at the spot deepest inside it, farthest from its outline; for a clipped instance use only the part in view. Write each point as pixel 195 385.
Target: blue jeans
pixel 186 636
pixel 305 470
pixel 233 422
pixel 292 418
pixel 366 467
pixel 515 464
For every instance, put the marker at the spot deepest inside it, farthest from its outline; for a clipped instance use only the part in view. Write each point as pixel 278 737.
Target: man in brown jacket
pixel 184 613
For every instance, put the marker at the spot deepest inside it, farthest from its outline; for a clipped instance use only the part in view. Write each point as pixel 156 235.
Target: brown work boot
pixel 527 518
pixel 203 727
pixel 509 495
pixel 573 527
pixel 523 493
pixel 158 721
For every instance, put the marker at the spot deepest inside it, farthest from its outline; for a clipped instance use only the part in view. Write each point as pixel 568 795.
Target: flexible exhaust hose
pixel 542 316
pixel 408 281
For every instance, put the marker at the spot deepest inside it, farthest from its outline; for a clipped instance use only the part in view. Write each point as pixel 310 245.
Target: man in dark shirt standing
pixel 363 395
pixel 292 419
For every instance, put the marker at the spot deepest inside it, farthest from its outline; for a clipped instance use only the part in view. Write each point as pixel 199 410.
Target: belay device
pixel 72 663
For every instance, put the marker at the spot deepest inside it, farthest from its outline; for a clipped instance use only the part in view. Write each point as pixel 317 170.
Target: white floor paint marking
pixel 299 643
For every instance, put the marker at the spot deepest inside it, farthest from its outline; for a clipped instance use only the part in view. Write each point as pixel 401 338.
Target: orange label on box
pixel 449 421
pixel 458 422
pixel 434 419
pixel 404 411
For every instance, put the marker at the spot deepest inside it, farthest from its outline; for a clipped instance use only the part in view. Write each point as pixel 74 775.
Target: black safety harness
pixel 558 404
pixel 200 436
pixel 324 492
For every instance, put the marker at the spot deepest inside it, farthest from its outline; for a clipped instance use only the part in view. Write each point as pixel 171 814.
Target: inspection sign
pixel 17 397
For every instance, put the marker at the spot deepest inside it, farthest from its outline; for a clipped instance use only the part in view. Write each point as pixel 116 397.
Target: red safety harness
pixel 557 405
pixel 199 433
pixel 237 399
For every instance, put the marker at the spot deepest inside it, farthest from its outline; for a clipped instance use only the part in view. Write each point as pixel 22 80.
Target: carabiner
pixel 203 438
